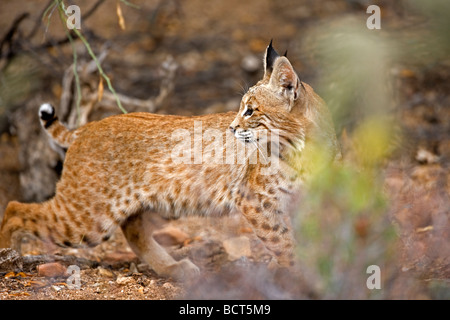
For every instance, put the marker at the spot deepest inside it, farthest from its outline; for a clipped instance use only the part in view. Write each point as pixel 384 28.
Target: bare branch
pixel 8 38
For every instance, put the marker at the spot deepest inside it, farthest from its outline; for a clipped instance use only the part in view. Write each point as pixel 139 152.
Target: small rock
pixel 52 269
pixel 124 280
pixel 237 247
pixel 141 267
pixel 10 260
pixel 133 268
pixel 251 63
pixel 168 286
pixel 169 236
pixel 56 288
pixel 105 272
pixel 426 157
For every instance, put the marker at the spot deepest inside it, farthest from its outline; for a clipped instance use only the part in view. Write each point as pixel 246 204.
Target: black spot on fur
pixel 67 243
pixel 48 123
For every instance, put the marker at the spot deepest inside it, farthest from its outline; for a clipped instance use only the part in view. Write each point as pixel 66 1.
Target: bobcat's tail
pixel 54 128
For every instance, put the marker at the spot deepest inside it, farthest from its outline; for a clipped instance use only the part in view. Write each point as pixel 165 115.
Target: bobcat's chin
pixel 244 135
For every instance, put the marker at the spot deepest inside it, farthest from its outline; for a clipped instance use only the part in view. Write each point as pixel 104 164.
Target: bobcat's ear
pixel 284 80
pixel 269 60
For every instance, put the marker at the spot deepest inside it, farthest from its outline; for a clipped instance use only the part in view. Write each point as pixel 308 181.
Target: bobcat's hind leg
pixel 20 219
pixel 138 229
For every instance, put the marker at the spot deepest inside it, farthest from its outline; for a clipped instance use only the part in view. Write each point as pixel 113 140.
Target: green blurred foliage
pixel 17 80
pixel 343 224
pixel 437 17
pixel 356 81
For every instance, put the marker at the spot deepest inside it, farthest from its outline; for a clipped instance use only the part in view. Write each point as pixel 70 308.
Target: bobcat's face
pixel 258 112
pixel 266 109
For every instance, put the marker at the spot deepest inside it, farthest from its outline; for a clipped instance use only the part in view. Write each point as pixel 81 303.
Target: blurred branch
pixel 38 21
pixel 77 85
pixel 135 6
pixel 8 38
pixel 93 9
pixel 93 98
pixel 70 33
pixel 75 57
pixel 169 67
pixel 94 57
pixel 37 50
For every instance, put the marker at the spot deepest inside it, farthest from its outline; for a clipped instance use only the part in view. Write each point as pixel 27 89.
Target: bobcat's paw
pixel 183 270
pixel 275 264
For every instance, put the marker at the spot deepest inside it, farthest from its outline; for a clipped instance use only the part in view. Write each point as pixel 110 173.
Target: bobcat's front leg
pixel 270 224
pixel 138 229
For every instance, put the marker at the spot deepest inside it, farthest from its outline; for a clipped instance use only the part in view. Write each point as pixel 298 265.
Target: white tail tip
pixel 46 111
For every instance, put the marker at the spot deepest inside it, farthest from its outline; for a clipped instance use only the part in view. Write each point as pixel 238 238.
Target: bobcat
pixel 120 170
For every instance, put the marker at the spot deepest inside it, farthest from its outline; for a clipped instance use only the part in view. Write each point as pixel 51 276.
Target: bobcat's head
pixel 281 104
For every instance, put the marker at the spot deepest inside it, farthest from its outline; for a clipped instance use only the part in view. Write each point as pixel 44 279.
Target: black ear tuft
pixel 285 54
pixel 271 56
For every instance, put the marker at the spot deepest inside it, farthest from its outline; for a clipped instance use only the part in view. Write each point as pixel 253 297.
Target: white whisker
pixel 256 144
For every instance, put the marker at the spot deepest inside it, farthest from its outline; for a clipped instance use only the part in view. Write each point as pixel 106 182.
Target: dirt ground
pixel 215 44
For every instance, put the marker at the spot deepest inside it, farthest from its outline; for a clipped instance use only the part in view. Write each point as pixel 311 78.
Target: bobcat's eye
pixel 248 112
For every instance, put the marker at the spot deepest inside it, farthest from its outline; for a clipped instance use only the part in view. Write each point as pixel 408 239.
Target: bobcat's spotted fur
pixel 120 170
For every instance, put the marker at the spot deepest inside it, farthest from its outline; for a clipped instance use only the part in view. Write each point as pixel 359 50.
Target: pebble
pixel 168 286
pixel 52 269
pixel 105 272
pixel 124 280
pixel 251 63
pixel 141 267
pixel 426 157
pixel 56 288
pixel 133 268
